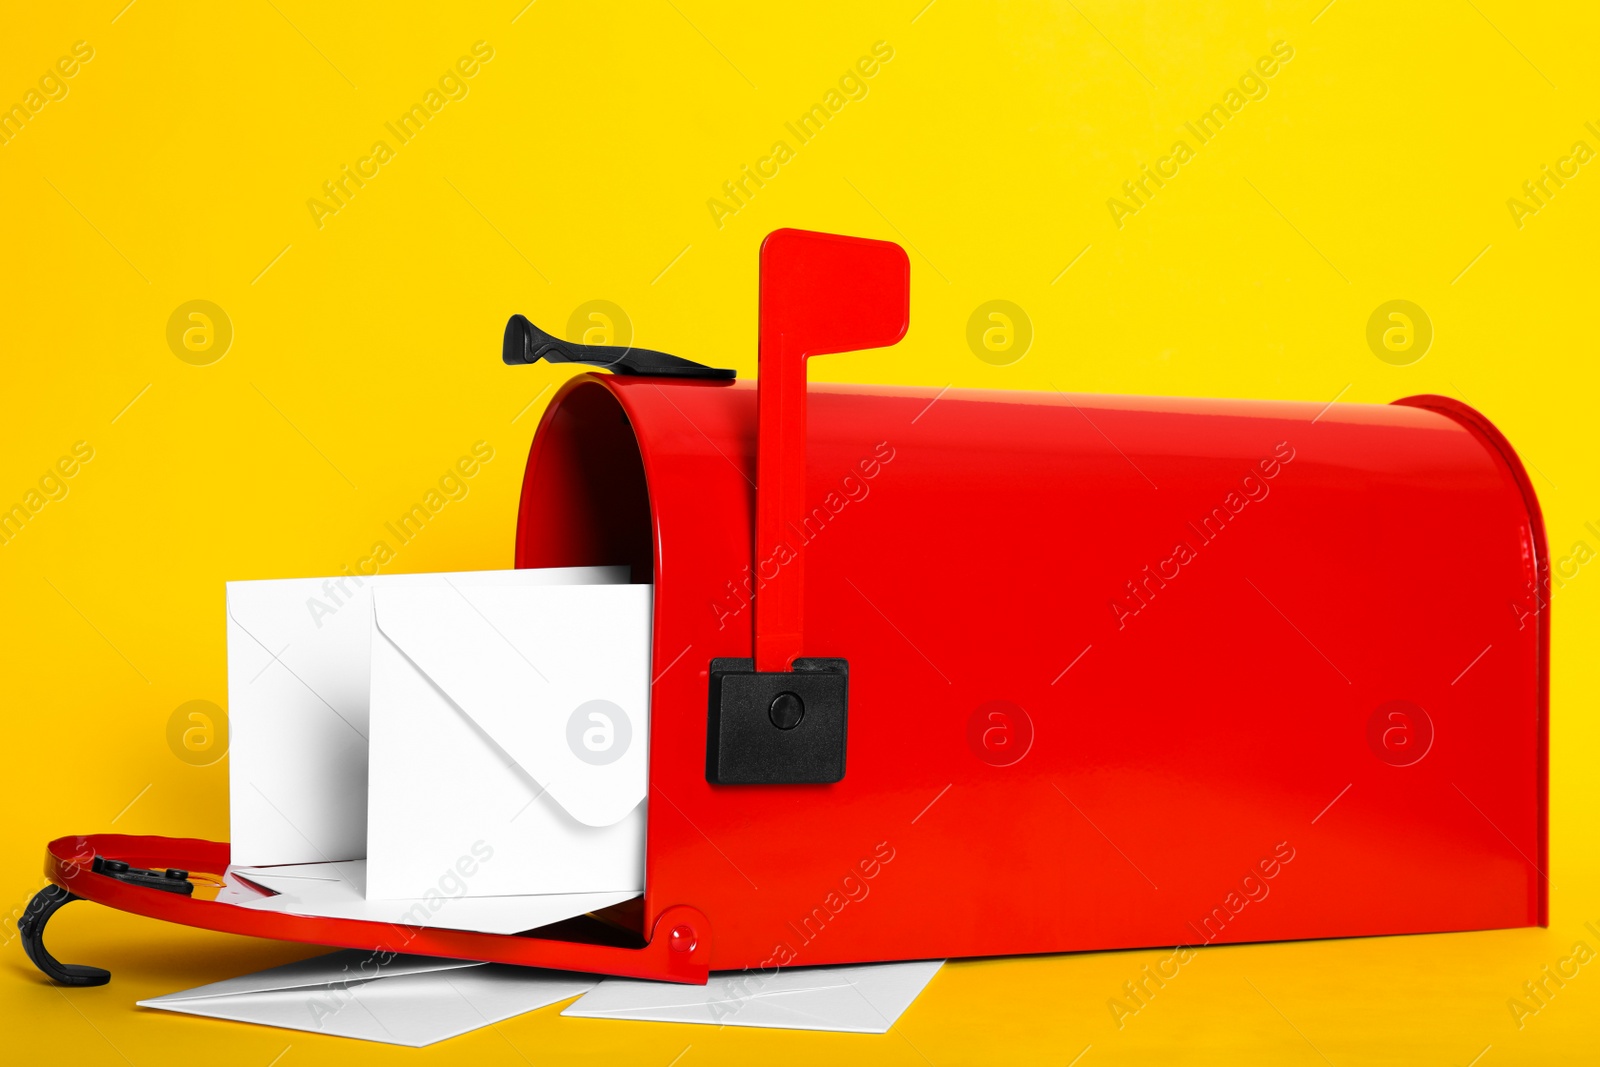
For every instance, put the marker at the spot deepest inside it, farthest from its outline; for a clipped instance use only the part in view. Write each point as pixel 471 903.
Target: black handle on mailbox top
pixel 526 343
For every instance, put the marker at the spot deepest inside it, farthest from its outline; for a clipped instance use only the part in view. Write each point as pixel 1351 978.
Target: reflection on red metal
pixel 1194 607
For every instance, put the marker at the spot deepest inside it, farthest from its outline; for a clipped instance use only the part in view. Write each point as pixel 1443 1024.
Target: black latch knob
pixel 787 710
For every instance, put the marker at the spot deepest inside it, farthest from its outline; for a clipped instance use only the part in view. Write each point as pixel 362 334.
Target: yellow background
pixel 365 361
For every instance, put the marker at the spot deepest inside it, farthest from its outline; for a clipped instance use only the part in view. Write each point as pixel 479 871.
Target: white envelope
pixel 236 890
pixel 509 735
pixel 336 891
pixel 404 1000
pixel 857 999
pixel 297 706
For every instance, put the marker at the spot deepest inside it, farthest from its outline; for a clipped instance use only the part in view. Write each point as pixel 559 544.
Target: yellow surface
pixel 578 166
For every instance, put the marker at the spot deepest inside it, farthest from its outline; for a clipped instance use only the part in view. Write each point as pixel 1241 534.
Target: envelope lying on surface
pixel 509 736
pixel 336 891
pixel 404 1000
pixel 857 999
pixel 297 705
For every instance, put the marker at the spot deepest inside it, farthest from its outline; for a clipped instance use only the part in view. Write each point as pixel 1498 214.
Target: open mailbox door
pixel 943 673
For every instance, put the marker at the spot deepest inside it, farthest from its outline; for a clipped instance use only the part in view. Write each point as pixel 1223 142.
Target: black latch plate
pixel 745 745
pixel 170 880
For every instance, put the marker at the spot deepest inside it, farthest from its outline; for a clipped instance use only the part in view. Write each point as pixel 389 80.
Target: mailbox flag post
pixel 820 293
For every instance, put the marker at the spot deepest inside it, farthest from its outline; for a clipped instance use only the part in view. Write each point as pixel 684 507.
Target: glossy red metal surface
pixel 1112 660
pixel 67 860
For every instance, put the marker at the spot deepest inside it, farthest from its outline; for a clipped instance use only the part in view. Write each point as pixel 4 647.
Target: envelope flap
pixel 557 677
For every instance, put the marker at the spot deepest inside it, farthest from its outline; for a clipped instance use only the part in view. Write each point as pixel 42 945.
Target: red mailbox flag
pixel 820 293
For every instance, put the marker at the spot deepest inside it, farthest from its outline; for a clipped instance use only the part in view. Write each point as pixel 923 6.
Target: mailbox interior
pixel 585 502
pixel 584 499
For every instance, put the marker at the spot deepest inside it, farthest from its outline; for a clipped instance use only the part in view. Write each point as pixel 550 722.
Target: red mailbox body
pixel 1188 690
pixel 1123 672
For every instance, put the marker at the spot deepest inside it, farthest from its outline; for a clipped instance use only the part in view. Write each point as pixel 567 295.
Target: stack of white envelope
pixel 459 750
pixel 417 1000
pixel 397 1000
